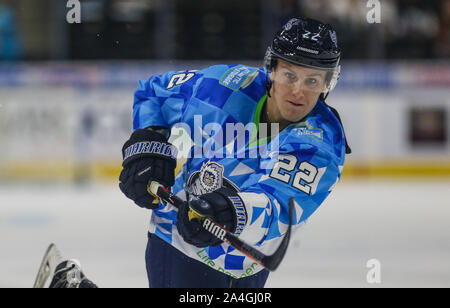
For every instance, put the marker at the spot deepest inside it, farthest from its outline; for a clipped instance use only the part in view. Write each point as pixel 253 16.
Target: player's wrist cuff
pixel 146 142
pixel 258 208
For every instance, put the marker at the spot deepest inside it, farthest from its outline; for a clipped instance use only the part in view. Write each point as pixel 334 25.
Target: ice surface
pixel 403 224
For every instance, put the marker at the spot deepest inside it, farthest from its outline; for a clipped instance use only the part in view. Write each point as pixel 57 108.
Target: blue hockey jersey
pixel 303 161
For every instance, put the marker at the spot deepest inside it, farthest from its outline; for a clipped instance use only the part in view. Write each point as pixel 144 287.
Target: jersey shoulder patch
pixel 321 129
pixel 304 129
pixel 237 77
pixel 318 135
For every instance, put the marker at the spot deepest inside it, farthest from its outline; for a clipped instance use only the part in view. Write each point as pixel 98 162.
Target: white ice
pixel 405 225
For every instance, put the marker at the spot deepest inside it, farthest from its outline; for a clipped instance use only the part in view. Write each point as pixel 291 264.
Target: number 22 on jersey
pixel 306 178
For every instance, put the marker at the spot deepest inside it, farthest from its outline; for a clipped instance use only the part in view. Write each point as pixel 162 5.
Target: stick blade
pixel 52 258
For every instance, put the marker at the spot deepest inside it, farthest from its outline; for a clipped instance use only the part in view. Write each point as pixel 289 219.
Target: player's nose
pixel 298 91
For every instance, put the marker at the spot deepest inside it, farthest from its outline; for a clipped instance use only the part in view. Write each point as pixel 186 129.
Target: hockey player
pixel 247 194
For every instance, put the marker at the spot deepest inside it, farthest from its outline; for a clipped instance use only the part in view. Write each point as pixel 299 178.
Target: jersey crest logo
pixel 211 176
pixel 208 179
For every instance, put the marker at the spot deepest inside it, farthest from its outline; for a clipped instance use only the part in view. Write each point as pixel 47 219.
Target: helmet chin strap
pixel 323 96
pixel 268 85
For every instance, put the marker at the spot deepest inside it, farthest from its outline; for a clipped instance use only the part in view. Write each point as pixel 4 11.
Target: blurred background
pixel 66 95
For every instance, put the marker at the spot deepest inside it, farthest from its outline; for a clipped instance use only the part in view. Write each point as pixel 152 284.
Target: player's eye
pixel 290 77
pixel 311 82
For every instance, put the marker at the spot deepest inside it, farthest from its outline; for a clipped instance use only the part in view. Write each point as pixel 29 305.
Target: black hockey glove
pixel 147 156
pixel 223 206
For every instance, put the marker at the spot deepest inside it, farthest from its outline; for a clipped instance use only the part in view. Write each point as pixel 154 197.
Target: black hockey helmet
pixel 308 43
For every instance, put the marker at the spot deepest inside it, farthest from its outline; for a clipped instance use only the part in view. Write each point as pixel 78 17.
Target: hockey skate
pixel 64 273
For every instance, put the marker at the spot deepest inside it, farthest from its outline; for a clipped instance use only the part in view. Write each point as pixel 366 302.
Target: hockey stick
pixel 270 262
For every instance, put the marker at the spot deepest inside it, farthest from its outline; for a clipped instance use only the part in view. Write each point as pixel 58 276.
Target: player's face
pixel 295 91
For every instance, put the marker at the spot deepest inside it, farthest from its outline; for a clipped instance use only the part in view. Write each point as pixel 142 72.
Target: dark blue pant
pixel 169 268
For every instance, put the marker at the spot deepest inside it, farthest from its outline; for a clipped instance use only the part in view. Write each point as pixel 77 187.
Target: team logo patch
pixel 208 179
pixel 211 176
pixel 238 77
pixel 309 131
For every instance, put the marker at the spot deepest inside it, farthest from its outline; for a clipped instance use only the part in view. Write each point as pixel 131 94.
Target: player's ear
pixel 272 74
pixel 273 68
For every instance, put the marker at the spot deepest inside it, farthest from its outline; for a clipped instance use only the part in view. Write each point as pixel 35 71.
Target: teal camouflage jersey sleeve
pixel 307 168
pixel 159 101
pixel 163 100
